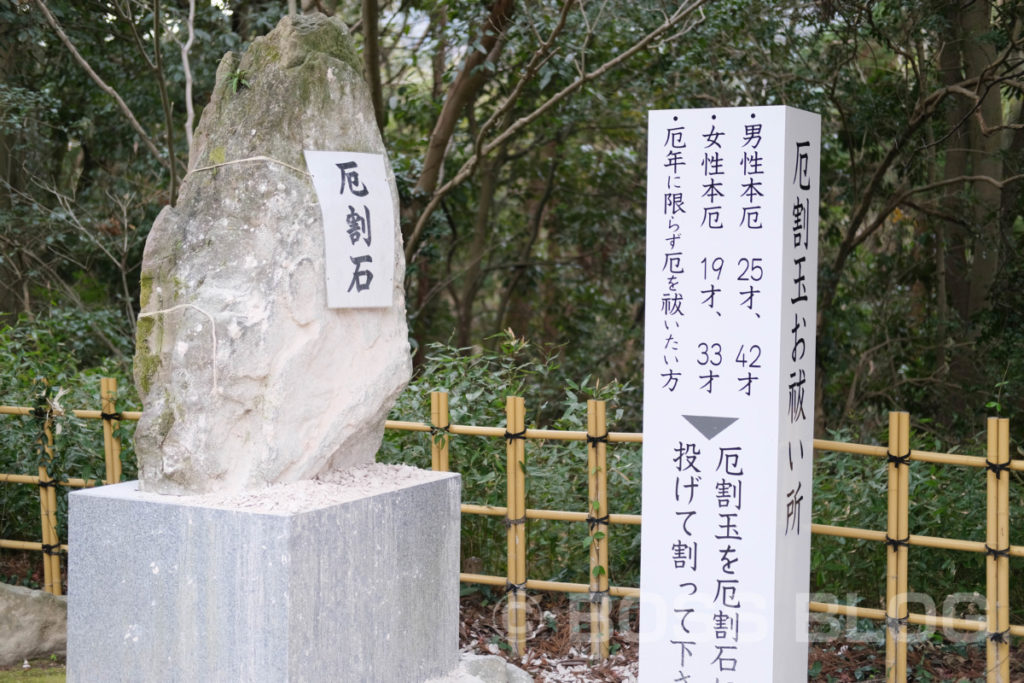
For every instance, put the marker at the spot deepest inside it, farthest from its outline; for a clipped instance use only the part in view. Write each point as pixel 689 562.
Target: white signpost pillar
pixel 732 234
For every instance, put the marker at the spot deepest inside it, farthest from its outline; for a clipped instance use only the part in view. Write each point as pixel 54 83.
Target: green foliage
pixel 54 364
pixel 556 471
pixel 238 79
pixel 558 257
pixel 945 501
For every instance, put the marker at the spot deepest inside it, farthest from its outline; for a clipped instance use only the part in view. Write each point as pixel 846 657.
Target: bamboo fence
pixel 45 414
pixel 897 537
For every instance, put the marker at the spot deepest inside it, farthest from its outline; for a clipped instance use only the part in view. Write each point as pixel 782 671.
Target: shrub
pixel 947 501
pixel 556 471
pixel 54 363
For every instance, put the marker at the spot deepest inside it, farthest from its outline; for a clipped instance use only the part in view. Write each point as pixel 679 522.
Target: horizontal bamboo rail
pixel 915 539
pixel 499 432
pixel 551 586
pixel 913 618
pixel 131 415
pixel 34 480
pixel 27 545
pixel 553 515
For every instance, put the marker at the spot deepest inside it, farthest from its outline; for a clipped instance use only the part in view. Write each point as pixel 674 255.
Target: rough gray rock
pixel 475 668
pixel 32 623
pixel 245 375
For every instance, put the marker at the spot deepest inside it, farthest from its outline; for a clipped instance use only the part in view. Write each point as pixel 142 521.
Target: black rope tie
pixel 435 431
pixel 895 624
pixel 997 467
pixel 898 459
pixel 1000 637
pixel 994 552
pixel 512 522
pixel 594 440
pixel 596 597
pixel 594 521
pixel 514 587
pixel 52 483
pixel 896 543
pixel 509 436
pixel 51 549
pixel 111 416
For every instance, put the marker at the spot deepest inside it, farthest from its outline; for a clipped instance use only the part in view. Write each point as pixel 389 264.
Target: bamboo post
pixel 997 544
pixel 1003 561
pixel 515 521
pixel 597 519
pixel 48 513
pixel 896 539
pixel 521 528
pixel 440 421
pixel 903 549
pixel 991 543
pixel 110 417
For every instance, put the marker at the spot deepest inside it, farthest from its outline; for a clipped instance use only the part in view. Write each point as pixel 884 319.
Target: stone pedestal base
pixel 164 589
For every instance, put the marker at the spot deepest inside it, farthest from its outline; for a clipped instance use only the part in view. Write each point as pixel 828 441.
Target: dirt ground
pixel 558 648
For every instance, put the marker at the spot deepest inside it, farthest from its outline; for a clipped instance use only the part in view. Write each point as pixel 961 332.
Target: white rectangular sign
pixel 359 227
pixel 732 218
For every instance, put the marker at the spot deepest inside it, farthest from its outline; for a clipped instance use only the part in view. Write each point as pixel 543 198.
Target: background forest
pixel 517 132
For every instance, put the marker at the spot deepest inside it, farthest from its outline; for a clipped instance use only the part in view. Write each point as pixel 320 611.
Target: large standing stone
pixel 246 377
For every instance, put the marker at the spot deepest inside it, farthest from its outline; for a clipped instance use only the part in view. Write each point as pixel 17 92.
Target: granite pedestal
pixel 361 590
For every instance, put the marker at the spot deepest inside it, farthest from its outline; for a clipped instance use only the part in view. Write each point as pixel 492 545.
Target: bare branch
pixel 540 56
pixel 125 11
pixel 371 60
pixel 52 21
pixel 190 112
pixel 1000 184
pixel 165 101
pixel 680 15
pixel 465 86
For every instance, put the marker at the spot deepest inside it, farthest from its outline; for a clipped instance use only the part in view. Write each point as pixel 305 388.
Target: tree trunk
pixel 472 281
pixel 462 91
pixel 972 242
pixel 11 280
pixel 986 157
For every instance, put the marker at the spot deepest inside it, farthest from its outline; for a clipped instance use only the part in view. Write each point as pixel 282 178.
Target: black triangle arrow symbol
pixel 708 425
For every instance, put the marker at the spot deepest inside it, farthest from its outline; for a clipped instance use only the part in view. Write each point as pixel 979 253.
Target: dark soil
pixel 558 648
